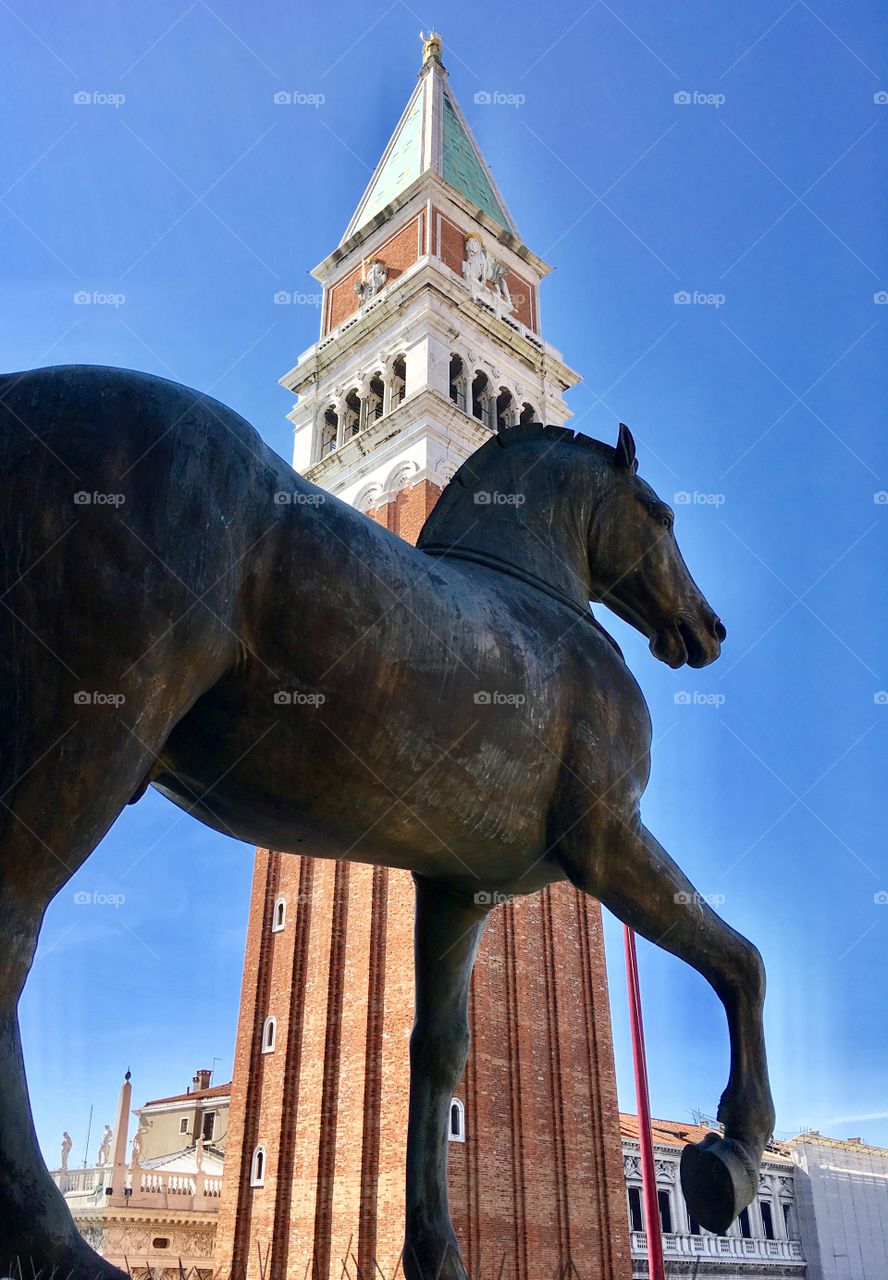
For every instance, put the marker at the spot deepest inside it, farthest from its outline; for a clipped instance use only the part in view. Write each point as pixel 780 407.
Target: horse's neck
pixel 520 523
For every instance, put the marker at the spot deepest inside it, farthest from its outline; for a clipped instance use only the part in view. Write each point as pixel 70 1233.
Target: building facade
pixel 430 340
pixel 179 1122
pixel 151 1207
pixel 763 1244
pixel 842 1198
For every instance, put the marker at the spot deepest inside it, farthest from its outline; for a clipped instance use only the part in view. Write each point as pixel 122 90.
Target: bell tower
pixel 430 332
pixel 430 339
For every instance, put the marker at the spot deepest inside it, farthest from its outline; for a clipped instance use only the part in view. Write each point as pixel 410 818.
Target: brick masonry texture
pixel 398 253
pixel 539 1179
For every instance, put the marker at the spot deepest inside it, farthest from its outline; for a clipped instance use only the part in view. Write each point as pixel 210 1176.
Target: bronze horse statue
pixel 168 581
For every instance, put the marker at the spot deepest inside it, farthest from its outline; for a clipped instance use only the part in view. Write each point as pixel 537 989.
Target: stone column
pixel 681 1219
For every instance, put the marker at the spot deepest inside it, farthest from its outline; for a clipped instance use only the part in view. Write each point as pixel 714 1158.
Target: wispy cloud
pixel 868 1115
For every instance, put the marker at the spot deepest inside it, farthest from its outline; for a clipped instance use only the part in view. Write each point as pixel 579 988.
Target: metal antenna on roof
pixel 88 1133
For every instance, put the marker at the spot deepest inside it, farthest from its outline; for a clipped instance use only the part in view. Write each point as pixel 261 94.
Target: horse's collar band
pixel 523 575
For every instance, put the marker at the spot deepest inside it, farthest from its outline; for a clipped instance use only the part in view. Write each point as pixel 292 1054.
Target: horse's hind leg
pixel 634 876
pixel 447 936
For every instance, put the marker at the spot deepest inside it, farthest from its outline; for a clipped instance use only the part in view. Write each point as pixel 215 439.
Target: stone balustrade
pixel 139 1187
pixel 729 1247
pixel 79 1182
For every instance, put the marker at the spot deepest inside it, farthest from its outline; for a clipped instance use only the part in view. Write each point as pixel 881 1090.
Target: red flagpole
pixel 656 1269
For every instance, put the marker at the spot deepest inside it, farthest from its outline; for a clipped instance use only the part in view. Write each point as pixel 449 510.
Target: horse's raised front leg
pixel 634 876
pixel 448 932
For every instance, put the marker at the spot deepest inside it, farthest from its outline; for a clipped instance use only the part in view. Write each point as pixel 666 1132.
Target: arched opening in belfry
pixel 505 412
pixel 481 399
pixel 352 417
pixel 375 399
pixel 329 431
pixel 399 380
pixel 458 381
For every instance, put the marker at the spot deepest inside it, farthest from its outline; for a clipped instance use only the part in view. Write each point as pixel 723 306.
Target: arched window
pixel 528 415
pixel 352 415
pixel 368 497
pixel 456 1130
pixel 269 1032
pixel 329 431
pixel 399 380
pixel 744 1224
pixel 504 409
pixel 458 382
pixel 257 1168
pixel 375 399
pixel 482 400
pixel 279 915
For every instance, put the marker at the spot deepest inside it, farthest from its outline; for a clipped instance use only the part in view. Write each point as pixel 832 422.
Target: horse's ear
pixel 625 449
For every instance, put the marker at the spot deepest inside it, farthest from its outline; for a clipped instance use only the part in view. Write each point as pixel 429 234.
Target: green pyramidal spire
pixel 432 136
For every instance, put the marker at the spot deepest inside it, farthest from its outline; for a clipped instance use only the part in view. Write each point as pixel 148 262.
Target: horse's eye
pixel 666 522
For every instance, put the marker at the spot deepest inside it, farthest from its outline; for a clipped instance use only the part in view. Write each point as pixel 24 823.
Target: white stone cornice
pixel 185 1104
pixel 421 291
pixel 114 1213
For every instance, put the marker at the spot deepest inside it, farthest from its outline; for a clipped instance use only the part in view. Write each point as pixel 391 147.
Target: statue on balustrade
pixel 104 1153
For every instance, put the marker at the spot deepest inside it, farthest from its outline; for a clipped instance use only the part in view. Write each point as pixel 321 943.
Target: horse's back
pixel 126 501
pixel 93 421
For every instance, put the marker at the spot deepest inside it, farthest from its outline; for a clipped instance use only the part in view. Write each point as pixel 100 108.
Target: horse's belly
pixel 477 817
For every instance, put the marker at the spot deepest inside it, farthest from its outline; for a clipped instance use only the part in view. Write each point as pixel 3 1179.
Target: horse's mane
pixel 447 522
pixel 474 468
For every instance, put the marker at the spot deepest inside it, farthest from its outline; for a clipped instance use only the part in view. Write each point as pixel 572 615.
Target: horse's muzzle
pixel 694 641
pixel 703 644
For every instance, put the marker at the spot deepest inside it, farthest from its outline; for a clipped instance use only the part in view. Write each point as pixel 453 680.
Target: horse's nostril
pixel 719 629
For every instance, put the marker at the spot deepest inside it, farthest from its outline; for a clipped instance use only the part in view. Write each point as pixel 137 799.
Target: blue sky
pixel 196 198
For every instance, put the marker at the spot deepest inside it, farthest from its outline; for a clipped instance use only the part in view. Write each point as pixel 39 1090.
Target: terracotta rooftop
pixel 675 1133
pixel 215 1091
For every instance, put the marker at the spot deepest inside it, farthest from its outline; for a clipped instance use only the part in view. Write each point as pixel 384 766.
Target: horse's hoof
pixel 718 1179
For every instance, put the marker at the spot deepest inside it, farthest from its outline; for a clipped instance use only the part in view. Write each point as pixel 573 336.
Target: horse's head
pixel 638 571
